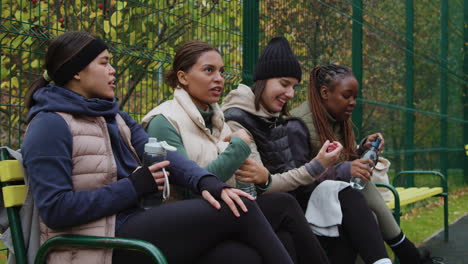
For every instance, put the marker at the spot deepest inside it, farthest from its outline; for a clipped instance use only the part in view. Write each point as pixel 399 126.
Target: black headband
pixel 78 62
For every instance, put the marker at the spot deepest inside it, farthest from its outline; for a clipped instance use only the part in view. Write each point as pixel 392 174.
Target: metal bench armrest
pixel 396 196
pixel 99 242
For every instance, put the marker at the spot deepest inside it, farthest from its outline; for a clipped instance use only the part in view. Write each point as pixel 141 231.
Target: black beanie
pixel 277 60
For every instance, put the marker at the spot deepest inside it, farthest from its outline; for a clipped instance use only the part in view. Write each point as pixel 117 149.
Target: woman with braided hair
pixel 332 94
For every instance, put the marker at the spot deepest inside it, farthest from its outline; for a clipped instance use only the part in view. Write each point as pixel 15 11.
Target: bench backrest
pixel 14 193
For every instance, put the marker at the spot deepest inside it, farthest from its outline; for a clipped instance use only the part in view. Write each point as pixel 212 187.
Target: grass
pixel 423 219
pixel 3 254
pixel 421 222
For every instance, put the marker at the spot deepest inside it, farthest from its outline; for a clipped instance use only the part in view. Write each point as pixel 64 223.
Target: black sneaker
pixel 426 257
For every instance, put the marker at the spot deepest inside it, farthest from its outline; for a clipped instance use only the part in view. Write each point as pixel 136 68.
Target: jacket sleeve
pixel 286 181
pixel 47 150
pixel 185 172
pixel 340 172
pixel 223 166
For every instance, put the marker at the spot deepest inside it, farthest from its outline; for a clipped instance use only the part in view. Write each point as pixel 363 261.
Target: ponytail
pixel 36 85
pixel 170 77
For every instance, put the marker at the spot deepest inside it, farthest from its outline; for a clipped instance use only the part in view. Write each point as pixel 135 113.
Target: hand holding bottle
pixel 158 174
pixel 154 158
pixel 372 138
pixel 252 172
pixel 360 169
pixel 362 174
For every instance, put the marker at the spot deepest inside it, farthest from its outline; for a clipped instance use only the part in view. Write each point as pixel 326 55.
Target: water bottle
pixel 372 154
pixel 247 187
pixel 155 152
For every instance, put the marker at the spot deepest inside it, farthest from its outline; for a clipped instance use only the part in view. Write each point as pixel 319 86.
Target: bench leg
pixel 446 225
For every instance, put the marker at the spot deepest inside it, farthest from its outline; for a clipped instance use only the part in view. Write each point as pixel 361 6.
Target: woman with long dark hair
pixel 332 94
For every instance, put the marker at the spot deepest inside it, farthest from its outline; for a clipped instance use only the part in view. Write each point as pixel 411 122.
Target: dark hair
pixel 328 76
pixel 258 88
pixel 61 49
pixel 186 56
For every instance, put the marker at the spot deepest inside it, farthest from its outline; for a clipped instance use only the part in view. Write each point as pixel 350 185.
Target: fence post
pixel 250 33
pixel 465 86
pixel 357 62
pixel 443 86
pixel 409 84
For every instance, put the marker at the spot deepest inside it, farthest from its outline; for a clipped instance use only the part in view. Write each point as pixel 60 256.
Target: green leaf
pixel 14 82
pixel 115 19
pixel 106 26
pixel 121 5
pixel 35 63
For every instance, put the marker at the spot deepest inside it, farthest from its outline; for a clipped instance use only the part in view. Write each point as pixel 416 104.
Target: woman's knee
pixel 281 198
pixel 231 252
pixel 350 195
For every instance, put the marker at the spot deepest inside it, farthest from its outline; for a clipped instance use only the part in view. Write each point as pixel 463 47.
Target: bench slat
pixel 411 195
pixel 10 170
pixel 14 195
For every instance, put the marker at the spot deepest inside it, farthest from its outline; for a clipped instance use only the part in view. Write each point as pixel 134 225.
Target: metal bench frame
pixel 444 194
pixel 68 240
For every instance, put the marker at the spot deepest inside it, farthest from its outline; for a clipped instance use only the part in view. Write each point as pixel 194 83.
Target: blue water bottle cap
pixel 376 143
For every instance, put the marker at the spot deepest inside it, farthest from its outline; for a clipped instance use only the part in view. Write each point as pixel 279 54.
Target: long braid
pixel 327 76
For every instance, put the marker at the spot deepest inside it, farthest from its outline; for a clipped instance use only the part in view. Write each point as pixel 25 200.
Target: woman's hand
pixel 329 153
pixel 372 138
pixel 239 133
pixel 360 169
pixel 158 175
pixel 231 197
pixel 252 172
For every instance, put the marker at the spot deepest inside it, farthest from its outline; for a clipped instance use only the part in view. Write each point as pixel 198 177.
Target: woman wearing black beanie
pixel 261 110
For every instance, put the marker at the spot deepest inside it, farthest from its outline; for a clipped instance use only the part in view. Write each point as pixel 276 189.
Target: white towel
pixel 324 210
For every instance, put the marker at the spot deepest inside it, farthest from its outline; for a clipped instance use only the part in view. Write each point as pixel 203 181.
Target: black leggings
pixel 288 221
pixel 192 231
pixel 359 232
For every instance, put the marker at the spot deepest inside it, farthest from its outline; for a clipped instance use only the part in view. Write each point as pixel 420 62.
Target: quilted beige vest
pixel 201 145
pixel 93 167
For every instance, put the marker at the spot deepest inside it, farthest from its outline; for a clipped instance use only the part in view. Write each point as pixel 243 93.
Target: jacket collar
pixel 185 101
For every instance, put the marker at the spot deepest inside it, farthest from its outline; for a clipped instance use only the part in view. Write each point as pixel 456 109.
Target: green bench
pixel 405 196
pixel 14 193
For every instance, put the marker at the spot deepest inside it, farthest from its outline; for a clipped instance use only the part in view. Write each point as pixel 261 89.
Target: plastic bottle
pixel 247 187
pixel 155 152
pixel 372 154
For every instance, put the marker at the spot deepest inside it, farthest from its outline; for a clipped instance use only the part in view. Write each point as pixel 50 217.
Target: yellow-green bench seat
pixel 414 194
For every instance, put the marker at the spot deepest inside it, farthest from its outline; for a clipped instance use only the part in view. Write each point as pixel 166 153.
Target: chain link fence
pixel 408 57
